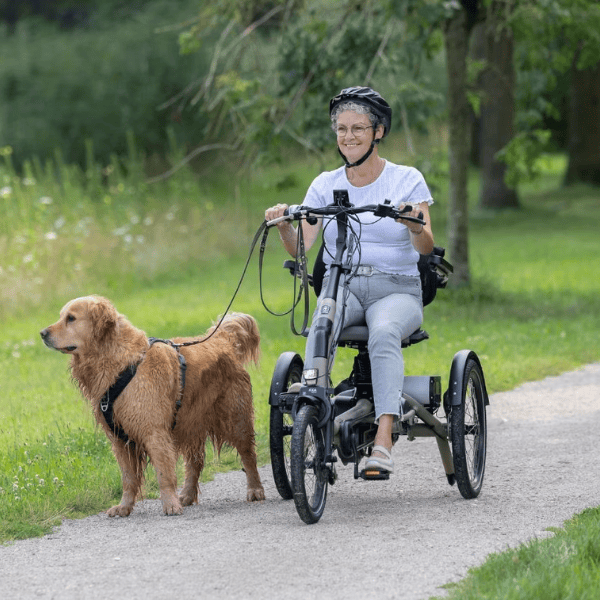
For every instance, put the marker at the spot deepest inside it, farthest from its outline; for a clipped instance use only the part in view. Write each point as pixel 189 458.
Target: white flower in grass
pixel 128 238
pixel 45 200
pixel 134 219
pixel 59 222
pixel 148 221
pixel 29 181
pixel 51 235
pixel 119 231
pixel 28 258
pixel 6 191
pixel 139 239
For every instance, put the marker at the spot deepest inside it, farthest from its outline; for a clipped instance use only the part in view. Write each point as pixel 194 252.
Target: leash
pixel 262 230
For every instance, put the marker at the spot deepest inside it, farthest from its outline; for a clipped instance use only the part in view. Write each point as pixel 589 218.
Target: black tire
pixel 468 432
pixel 288 371
pixel 309 479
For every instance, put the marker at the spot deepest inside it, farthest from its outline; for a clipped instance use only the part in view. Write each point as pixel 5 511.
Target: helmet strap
pixel 361 160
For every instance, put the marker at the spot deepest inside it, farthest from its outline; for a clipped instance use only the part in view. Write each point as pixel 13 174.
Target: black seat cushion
pixel 359 334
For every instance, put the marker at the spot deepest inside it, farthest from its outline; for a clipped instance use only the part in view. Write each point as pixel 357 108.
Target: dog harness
pixel 108 399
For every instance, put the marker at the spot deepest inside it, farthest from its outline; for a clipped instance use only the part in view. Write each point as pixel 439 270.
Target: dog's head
pixel 84 323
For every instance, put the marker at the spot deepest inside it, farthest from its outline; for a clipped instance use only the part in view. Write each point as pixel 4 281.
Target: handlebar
pixel 297 212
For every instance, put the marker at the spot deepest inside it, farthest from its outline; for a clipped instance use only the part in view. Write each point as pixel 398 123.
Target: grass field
pixel 170 255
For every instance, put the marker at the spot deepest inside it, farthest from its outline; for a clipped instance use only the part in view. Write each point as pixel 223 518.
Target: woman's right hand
pixel 275 212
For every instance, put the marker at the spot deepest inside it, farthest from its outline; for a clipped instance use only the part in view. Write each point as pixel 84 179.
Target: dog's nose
pixel 44 333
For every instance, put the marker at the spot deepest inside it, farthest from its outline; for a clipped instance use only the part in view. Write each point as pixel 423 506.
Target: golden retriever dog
pixel 216 402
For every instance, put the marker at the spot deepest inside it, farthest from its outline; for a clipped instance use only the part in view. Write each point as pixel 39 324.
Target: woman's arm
pixel 289 234
pixel 421 236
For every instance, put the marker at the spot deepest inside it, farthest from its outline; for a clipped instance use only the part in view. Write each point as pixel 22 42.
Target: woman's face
pixel 352 144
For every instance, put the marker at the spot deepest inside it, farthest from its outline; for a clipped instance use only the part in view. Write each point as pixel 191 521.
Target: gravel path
pixel 397 539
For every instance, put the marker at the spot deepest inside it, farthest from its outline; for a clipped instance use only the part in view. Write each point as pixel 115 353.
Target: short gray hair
pixel 359 109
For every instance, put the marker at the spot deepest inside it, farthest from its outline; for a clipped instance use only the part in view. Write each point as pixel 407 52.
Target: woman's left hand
pixel 421 236
pixel 411 225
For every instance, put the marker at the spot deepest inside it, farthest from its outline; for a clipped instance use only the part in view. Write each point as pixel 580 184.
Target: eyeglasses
pixel 357 130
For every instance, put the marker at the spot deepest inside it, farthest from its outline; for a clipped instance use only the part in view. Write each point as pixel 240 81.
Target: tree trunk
pixel 584 126
pixel 476 54
pixel 456 41
pixel 497 114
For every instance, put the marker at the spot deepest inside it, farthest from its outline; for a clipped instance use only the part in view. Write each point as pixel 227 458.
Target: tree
pixel 497 108
pixel 555 37
pixel 584 125
pixel 457 30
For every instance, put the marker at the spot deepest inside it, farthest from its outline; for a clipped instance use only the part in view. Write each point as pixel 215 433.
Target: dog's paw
pixel 120 510
pixel 255 494
pixel 172 508
pixel 187 498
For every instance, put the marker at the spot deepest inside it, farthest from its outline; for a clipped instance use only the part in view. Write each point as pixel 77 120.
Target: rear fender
pixel 457 372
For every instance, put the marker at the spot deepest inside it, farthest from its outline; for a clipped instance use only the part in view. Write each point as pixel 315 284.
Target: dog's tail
pixel 242 331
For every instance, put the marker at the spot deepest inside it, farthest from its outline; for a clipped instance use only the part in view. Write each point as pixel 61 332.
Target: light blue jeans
pixel 392 309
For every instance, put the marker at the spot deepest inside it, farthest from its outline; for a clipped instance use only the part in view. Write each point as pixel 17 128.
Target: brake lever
pixel 388 210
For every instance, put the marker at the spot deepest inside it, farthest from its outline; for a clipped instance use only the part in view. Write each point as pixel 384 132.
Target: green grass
pixel 567 565
pixel 169 256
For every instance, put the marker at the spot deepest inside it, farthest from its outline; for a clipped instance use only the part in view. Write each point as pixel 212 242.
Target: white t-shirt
pixel 384 244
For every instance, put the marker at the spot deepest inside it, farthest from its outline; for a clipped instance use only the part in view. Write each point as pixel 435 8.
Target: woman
pixel 387 296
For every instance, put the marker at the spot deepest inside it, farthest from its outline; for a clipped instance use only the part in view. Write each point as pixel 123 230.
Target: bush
pixel 61 88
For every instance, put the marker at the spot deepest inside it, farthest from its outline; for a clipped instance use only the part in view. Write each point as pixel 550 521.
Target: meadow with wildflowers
pixel 170 253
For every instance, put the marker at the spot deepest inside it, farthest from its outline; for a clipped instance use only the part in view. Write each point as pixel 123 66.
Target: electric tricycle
pixel 315 426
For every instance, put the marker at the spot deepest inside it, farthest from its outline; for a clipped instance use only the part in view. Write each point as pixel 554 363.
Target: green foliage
pixel 524 155
pixel 60 89
pixel 267 86
pixel 551 37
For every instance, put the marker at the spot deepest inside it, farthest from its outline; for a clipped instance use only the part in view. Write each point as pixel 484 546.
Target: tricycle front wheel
pixel 309 475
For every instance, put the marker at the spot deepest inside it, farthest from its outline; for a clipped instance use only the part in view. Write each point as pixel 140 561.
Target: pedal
pixel 374 475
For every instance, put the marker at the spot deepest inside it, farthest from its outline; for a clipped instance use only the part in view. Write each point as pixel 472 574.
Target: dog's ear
pixel 104 318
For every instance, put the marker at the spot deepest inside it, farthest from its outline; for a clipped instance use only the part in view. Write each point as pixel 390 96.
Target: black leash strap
pixel 303 289
pixel 261 229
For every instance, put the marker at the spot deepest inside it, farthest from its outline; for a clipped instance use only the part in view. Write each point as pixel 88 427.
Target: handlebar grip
pixel 292 209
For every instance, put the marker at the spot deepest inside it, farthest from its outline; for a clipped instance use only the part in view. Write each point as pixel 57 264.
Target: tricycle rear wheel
pixel 468 431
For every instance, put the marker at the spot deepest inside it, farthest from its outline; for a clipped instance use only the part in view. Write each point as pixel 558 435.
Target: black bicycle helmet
pixel 368 97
